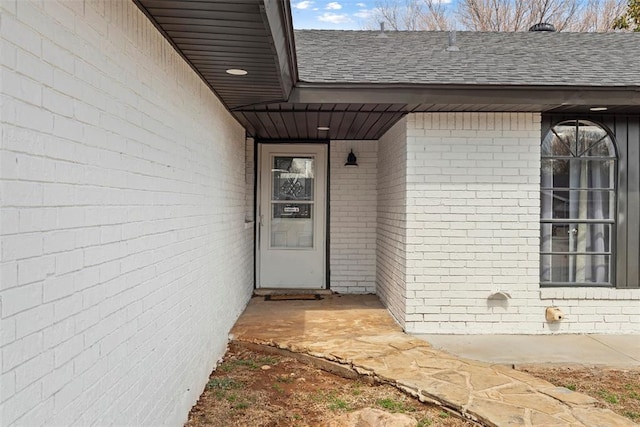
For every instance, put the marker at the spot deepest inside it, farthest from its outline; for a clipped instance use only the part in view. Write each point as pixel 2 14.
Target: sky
pixel 334 15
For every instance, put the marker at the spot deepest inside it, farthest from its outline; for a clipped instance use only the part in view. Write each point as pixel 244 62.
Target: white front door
pixel 291 243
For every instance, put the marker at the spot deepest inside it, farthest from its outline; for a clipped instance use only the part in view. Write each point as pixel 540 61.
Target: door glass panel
pixel 293 230
pixel 292 178
pixel 292 221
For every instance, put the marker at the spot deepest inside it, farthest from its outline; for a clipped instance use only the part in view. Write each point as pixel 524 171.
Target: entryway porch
pixel 356 334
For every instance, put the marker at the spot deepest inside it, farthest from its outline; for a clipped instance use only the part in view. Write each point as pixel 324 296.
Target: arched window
pixel 578 205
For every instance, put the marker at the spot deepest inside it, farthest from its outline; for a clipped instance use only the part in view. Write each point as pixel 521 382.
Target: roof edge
pixel 402 93
pixel 278 22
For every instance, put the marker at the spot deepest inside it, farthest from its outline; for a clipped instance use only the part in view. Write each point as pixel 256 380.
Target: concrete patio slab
pixel 356 333
pixel 628 345
pixel 592 350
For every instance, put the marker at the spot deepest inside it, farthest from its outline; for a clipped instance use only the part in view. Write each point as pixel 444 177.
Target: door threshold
pixel 290 291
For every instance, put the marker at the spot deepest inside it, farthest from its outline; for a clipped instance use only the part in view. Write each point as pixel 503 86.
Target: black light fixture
pixel 352 161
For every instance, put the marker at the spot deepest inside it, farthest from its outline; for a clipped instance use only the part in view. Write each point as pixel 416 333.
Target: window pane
pixel 577 204
pixel 567 269
pixel 589 135
pixel 578 173
pixel 575 237
pixel 601 148
pixel 554 146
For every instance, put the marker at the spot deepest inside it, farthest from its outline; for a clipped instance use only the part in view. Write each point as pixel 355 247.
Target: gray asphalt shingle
pixel 421 57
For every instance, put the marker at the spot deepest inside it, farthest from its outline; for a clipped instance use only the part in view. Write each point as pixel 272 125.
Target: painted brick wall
pixel 249 178
pixel 473 229
pixel 125 260
pixel 473 207
pixel 602 310
pixel 391 251
pixel 353 214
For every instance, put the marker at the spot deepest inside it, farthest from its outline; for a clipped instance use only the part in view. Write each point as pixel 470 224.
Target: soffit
pixel 216 35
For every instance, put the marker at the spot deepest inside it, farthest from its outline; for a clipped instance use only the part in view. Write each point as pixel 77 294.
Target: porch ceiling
pixel 272 103
pixel 288 121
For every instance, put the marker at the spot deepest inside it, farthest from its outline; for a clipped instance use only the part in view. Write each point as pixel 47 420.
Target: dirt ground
pixel 616 389
pixel 258 389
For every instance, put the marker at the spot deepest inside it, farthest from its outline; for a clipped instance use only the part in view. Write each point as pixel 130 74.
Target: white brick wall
pixel 352 223
pixel 249 178
pixel 595 310
pixel 472 220
pixel 391 251
pixel 125 259
pixel 473 229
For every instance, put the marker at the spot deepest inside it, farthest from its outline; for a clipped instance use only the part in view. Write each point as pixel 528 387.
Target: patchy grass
pixel 444 415
pixel 337 404
pixel 608 396
pixel 291 393
pixel 615 389
pixel 224 384
pixel 425 422
pixel 392 405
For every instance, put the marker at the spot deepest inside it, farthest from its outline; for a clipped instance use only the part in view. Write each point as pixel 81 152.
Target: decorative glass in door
pixel 292 202
pixel 578 199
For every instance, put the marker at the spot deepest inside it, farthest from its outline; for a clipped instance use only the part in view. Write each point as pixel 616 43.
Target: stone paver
pixel 358 333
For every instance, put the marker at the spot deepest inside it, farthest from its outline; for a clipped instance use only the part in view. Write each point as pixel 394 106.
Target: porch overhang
pixel 357 111
pixel 214 36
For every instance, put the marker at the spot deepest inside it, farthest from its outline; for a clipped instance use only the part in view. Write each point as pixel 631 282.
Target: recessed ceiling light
pixel 323 128
pixel 237 72
pixel 598 109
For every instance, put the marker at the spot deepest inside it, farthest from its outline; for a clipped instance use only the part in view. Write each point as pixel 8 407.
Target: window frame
pixel 614 220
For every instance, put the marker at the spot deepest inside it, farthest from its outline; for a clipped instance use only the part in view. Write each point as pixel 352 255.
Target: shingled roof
pixel 483 58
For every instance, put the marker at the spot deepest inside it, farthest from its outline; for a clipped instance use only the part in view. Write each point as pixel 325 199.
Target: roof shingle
pixel 483 58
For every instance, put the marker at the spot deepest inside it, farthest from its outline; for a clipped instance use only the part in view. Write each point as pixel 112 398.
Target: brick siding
pixel 391 251
pixel 353 215
pixel 473 207
pixel 125 259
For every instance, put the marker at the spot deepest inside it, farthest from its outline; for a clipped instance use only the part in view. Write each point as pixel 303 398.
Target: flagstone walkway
pixel 357 334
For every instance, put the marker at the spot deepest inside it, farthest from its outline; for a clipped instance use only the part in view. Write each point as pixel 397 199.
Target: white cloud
pixel 361 5
pixel 364 13
pixel 303 4
pixel 334 18
pixel 334 5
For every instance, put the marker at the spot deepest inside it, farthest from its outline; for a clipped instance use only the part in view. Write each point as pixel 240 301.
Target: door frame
pixel 257 143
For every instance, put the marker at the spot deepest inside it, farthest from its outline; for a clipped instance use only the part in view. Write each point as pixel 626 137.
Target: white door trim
pixel 290 267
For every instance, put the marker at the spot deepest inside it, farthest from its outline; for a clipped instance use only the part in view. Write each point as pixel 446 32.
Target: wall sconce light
pixel 352 161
